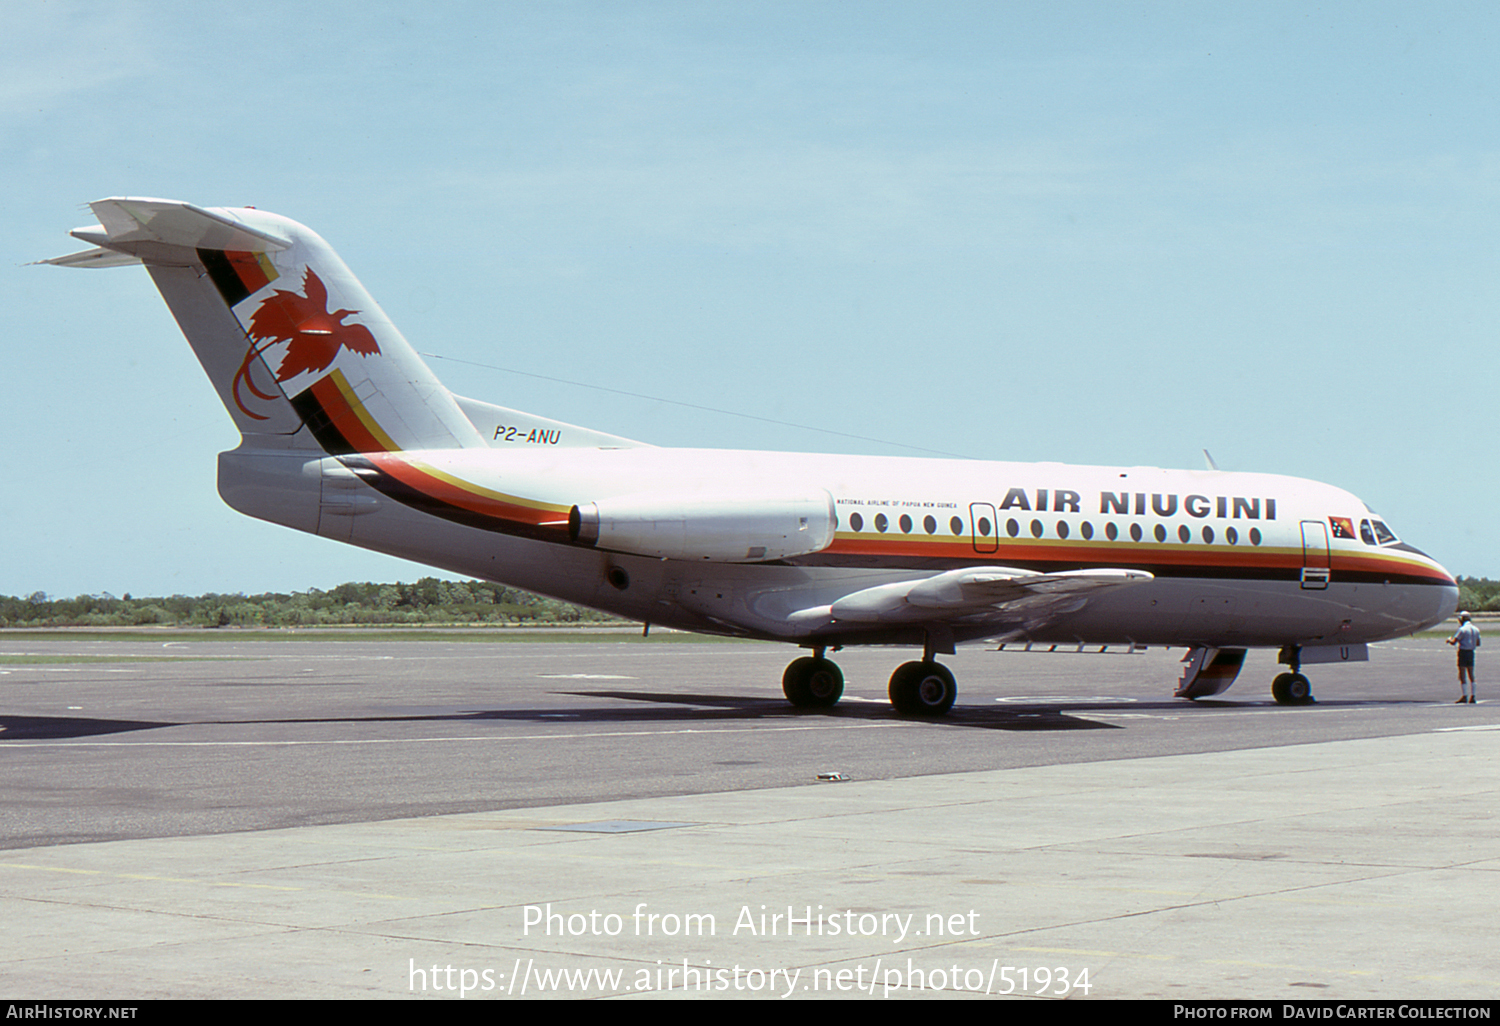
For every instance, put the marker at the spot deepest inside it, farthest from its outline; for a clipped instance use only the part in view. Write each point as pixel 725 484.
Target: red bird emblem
pixel 314 335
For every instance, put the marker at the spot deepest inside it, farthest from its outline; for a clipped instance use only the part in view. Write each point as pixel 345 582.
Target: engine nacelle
pixel 718 527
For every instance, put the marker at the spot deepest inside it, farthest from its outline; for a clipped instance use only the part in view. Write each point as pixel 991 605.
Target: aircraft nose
pixel 1441 601
pixel 1449 604
pixel 1450 579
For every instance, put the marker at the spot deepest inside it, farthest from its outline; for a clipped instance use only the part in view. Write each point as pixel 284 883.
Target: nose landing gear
pixel 1292 688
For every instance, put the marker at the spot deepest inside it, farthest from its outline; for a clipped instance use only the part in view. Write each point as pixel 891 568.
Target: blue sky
pixel 1083 232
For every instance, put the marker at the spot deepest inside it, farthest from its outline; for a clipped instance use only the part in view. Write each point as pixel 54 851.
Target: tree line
pixel 427 601
pixel 1478 595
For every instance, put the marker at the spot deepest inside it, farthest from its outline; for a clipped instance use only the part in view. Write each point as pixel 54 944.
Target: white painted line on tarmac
pixel 584 676
pixel 1063 699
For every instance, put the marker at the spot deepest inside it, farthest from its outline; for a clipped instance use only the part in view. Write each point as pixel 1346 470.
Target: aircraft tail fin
pixel 301 355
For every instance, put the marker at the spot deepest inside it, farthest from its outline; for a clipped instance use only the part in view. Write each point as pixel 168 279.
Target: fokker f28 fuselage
pixel 347 434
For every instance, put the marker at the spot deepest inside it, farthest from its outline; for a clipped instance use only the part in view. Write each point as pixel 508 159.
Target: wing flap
pixel 964 592
pixel 966 588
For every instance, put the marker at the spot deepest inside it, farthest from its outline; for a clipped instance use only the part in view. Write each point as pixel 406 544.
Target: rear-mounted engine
pixel 719 527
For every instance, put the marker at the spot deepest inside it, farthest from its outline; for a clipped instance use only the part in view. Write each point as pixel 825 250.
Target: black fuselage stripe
pixel 407 495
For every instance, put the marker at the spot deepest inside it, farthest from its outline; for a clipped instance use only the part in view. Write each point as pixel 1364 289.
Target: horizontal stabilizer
pixel 96 257
pixel 125 221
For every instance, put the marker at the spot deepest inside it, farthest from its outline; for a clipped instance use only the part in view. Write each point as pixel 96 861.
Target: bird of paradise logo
pixel 313 335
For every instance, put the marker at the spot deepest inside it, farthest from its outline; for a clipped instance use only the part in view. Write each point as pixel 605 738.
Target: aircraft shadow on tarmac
pixel 669 707
pixel 677 708
pixel 1018 714
pixel 1038 716
pixel 713 707
pixel 659 707
pixel 53 728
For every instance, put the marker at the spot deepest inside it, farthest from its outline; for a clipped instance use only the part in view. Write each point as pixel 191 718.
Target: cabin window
pixel 1110 531
pixel 881 523
pixel 1184 533
pixel 1254 536
pixel 856 522
pixel 956 526
pixel 1161 533
pixel 929 525
pixel 1062 528
pixel 1012 528
pixel 905 523
pixel 1087 530
pixel 1208 535
pixel 1036 528
pixel 1135 532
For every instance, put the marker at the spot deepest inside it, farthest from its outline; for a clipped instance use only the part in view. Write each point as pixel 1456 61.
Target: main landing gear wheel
pixel 926 688
pixel 1292 689
pixel 812 683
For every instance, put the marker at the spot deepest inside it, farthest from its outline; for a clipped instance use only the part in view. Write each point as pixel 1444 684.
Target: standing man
pixel 1467 640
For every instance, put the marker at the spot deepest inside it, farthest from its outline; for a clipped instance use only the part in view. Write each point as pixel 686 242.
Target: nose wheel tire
pixel 811 683
pixel 923 689
pixel 1292 689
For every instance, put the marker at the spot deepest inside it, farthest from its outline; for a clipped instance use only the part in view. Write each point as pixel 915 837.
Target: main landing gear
pixel 813 682
pixel 925 688
pixel 918 688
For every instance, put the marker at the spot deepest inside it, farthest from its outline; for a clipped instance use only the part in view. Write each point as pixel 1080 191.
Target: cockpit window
pixel 1374 532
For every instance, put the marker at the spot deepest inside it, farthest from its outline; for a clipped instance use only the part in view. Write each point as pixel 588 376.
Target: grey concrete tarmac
pixel 371 818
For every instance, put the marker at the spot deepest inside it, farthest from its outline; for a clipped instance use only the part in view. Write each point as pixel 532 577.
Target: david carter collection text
pixel 1320 1010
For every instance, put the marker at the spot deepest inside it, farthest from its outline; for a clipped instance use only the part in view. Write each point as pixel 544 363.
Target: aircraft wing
pixel 969 594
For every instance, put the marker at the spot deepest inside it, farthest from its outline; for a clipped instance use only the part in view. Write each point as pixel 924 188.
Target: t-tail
pixel 301 355
pixel 307 364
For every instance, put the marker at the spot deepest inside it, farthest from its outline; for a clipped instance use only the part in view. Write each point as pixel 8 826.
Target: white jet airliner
pixel 347 434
